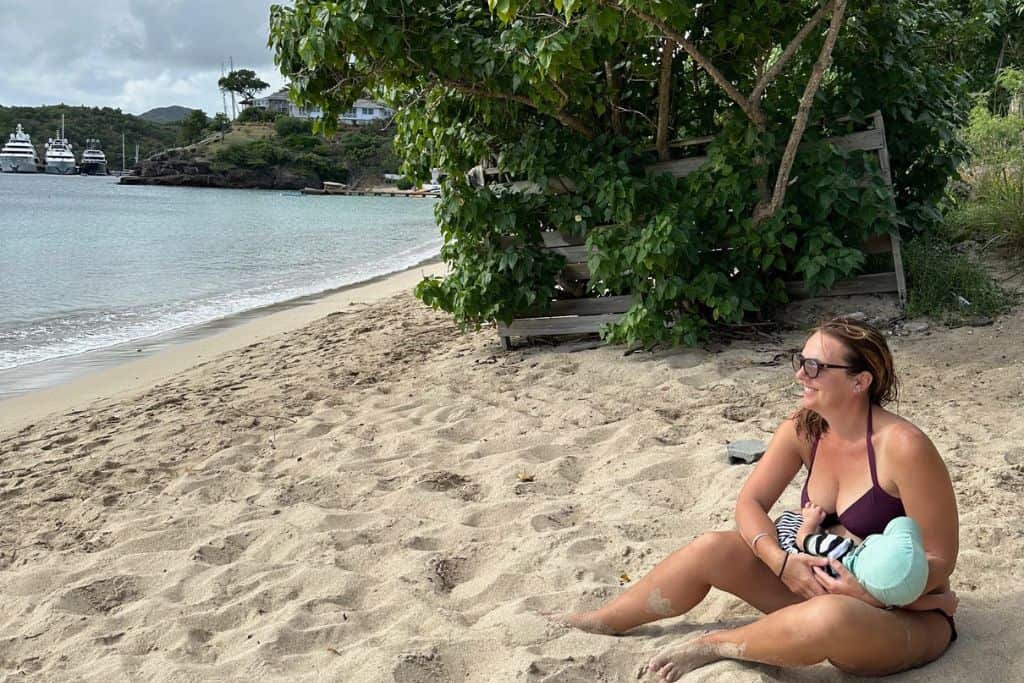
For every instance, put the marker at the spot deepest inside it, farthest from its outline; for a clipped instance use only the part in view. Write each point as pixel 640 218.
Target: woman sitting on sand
pixel 861 459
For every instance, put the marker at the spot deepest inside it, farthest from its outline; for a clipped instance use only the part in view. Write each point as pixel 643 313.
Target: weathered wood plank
pixel 536 327
pixel 879 244
pixel 571 254
pixel 874 283
pixel 596 306
pixel 867 140
pixel 680 168
pixel 553 240
pixel 690 142
pixel 577 271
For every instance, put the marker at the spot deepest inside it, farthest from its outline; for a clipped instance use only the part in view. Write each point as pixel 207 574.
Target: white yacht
pixel 59 157
pixel 94 161
pixel 18 155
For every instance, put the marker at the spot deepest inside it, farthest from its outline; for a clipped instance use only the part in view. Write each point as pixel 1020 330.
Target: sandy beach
pixel 370 495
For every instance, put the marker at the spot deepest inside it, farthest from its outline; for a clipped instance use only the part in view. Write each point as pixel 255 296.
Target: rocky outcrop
pixel 178 167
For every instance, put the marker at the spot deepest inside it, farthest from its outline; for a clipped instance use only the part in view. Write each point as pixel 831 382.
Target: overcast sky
pixel 132 54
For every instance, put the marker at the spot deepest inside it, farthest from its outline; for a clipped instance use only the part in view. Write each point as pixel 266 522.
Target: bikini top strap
pixel 871 449
pixel 814 450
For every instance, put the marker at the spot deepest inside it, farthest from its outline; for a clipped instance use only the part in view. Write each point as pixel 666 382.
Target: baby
pixel 891 566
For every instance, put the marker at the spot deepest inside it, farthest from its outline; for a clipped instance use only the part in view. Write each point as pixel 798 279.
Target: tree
pixel 594 90
pixel 194 126
pixel 243 82
pixel 221 124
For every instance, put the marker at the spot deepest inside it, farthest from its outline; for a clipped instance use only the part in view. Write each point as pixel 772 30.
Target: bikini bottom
pixel 952 626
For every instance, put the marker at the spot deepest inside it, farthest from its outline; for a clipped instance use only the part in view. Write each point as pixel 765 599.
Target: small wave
pixel 45 340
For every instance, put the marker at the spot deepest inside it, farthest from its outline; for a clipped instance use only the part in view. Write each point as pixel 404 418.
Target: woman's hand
pixel 846 584
pixel 800 575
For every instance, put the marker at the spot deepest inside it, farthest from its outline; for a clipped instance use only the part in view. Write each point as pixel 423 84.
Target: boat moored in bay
pixel 94 161
pixel 18 155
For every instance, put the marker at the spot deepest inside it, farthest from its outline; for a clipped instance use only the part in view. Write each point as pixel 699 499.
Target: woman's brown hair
pixel 866 351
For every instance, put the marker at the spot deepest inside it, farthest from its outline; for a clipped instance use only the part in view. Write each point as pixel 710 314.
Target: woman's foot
pixel 673 663
pixel 584 621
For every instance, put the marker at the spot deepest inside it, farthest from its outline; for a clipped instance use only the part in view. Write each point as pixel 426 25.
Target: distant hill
pixel 82 123
pixel 172 114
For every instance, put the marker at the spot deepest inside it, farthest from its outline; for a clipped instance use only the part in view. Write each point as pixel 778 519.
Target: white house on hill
pixel 363 112
pixel 366 111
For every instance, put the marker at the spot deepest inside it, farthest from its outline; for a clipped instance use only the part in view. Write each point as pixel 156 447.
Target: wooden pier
pixel 368 193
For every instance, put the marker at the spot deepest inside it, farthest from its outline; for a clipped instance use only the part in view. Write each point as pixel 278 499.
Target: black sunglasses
pixel 813 366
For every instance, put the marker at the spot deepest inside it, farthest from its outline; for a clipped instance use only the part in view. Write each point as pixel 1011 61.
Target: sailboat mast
pixel 124 158
pixel 234 112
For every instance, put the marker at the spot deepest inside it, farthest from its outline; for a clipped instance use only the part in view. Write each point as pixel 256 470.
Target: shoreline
pixel 116 370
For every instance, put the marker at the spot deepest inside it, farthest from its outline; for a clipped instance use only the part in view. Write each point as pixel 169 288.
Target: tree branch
pixel 731 90
pixel 562 117
pixel 664 100
pixel 614 88
pixel 813 83
pixel 775 69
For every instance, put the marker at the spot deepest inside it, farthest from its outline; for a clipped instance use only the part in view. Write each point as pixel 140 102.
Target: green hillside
pixel 82 123
pixel 172 114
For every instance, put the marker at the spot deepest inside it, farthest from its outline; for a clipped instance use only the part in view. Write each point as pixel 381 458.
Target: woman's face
pixel 833 387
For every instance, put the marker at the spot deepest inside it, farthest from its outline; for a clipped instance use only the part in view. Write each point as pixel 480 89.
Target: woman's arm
pixel 924 486
pixel 780 463
pixel 927 495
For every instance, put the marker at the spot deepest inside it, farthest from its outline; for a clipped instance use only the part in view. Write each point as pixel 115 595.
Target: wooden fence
pixel 588 315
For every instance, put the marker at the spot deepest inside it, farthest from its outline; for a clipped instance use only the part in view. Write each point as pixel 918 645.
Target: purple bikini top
pixel 871 512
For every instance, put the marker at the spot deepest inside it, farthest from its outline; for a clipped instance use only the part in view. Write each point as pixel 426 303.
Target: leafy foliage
pixel 244 82
pixel 570 90
pixel 257 115
pixel 194 126
pixel 348 156
pixel 993 208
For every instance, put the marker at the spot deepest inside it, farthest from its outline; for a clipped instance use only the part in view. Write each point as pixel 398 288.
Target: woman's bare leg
pixel 853 635
pixel 679 582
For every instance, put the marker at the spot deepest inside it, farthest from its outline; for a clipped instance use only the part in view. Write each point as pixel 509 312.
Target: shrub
pixel 287 126
pixel 403 183
pixel 994 139
pixel 305 143
pixel 949 286
pixel 994 203
pixel 255 115
pixel 256 154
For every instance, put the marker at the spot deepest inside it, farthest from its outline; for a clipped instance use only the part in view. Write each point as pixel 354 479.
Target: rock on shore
pixel 176 167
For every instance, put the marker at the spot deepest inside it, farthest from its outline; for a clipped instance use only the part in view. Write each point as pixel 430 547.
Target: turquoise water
pixel 87 264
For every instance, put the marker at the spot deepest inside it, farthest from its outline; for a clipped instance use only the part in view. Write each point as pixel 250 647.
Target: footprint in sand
pixel 567 670
pixel 445 573
pixel 419 667
pixel 421 543
pixel 454 484
pixel 101 597
pixel 224 552
pixel 557 519
pixel 586 546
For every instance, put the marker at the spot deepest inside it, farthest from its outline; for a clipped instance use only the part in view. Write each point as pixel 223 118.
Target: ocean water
pixel 87 264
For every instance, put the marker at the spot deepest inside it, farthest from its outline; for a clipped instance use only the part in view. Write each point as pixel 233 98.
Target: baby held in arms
pixel 891 566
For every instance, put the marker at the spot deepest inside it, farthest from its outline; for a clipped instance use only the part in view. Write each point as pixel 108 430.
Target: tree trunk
pixel 614 88
pixel 664 100
pixel 813 83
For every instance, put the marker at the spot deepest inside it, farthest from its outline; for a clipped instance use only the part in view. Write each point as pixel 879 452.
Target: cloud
pixel 132 54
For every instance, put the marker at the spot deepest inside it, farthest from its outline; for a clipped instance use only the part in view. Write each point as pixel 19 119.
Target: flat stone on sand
pixel 746 451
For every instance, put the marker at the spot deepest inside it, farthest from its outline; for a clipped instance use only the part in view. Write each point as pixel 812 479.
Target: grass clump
pixel 949 286
pixel 993 206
